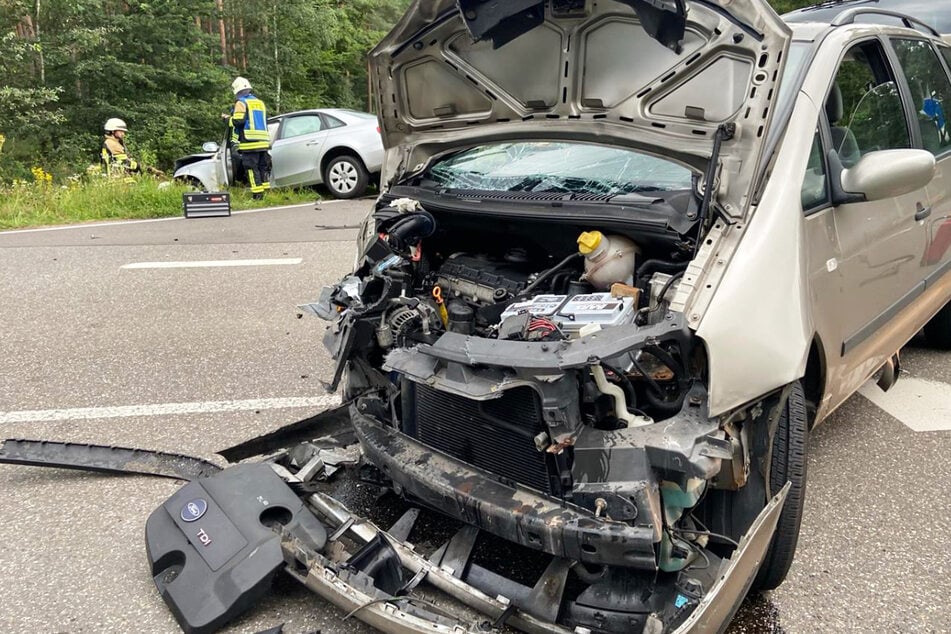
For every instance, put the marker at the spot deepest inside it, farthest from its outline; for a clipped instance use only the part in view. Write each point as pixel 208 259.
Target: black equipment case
pixel 206 204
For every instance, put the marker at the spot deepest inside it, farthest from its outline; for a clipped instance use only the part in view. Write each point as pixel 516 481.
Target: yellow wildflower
pixel 41 177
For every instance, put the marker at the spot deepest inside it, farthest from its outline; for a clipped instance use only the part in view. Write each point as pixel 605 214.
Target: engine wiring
pixel 710 534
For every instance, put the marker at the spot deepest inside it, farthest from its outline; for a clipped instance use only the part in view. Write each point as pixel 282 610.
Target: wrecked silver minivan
pixel 564 182
pixel 616 272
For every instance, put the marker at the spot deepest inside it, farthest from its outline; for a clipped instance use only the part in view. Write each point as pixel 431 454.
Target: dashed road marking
pixel 166 409
pixel 920 404
pixel 212 264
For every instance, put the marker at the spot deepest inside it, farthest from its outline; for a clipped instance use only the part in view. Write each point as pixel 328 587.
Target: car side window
pixel 299 126
pixel 332 122
pixel 815 187
pixel 930 88
pixel 864 105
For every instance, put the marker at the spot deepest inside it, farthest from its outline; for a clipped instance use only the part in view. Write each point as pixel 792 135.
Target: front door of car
pixel 929 88
pixel 296 151
pixel 876 271
pixel 223 166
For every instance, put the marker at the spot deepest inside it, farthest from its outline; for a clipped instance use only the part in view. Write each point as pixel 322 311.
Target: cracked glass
pixel 558 168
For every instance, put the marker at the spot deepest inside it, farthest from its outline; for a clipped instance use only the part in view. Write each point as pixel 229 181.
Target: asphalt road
pixel 193 360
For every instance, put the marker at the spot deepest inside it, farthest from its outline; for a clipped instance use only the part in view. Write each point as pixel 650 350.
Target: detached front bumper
pixel 211 566
pixel 215 545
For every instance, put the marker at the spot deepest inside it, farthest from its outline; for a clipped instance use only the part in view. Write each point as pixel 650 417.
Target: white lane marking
pixel 920 404
pixel 96 225
pixel 167 409
pixel 207 264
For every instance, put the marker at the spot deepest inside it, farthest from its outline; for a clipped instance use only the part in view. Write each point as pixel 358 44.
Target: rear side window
pixel 930 90
pixel 299 126
pixel 864 106
pixel 332 122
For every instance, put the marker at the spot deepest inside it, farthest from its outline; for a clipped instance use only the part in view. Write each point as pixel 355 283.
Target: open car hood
pixel 657 75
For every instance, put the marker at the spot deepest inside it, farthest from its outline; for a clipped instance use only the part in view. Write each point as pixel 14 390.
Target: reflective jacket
pixel 115 158
pixel 249 120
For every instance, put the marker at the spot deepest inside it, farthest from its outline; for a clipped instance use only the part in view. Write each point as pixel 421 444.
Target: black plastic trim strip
pixel 104 459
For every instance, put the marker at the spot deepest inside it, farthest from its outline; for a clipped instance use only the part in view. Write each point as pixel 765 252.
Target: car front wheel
pixel 731 513
pixel 346 177
pixel 787 464
pixel 938 330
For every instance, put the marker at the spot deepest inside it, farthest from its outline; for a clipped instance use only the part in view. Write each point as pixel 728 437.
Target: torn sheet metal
pixel 333 423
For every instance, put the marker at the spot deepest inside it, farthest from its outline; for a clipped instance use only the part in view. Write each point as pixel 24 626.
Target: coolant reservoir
pixel 607 259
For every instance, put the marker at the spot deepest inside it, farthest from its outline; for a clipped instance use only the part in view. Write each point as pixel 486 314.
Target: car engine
pixel 413 294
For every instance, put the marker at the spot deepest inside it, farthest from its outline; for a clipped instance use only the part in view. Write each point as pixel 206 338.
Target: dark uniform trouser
pixel 258 169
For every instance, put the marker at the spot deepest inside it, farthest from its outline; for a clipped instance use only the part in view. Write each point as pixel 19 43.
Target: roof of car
pixel 930 13
pixel 811 23
pixel 338 112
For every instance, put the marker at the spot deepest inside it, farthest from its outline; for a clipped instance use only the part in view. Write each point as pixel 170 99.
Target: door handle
pixel 922 213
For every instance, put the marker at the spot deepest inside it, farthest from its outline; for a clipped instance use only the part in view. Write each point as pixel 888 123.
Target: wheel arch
pixel 814 378
pixel 338 151
pixel 201 171
pixel 189 180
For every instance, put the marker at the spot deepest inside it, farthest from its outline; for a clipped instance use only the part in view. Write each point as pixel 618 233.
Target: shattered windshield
pixel 548 167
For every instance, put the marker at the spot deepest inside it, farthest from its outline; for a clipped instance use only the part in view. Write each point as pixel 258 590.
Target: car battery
pixel 206 204
pixel 572 313
pixel 540 306
pixel 601 309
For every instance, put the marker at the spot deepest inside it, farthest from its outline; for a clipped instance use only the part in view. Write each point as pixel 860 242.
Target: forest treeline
pixel 166 67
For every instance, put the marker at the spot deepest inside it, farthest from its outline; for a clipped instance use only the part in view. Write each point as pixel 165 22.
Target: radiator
pixel 497 436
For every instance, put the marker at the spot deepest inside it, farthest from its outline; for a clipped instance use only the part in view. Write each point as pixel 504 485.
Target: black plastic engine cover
pixel 211 548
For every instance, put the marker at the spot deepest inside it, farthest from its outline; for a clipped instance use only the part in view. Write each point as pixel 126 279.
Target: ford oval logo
pixel 193 511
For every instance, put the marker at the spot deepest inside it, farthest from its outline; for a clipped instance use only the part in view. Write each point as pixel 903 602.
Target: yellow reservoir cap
pixel 589 241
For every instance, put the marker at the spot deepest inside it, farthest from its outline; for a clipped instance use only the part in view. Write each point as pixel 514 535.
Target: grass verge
pixel 39 203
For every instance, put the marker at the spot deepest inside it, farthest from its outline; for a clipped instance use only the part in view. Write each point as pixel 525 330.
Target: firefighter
pixel 115 158
pixel 249 124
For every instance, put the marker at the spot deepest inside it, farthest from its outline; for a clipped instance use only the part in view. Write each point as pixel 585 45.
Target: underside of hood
pixel 656 75
pixel 502 22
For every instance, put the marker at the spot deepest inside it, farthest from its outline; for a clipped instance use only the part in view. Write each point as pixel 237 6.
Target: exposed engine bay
pixel 419 280
pixel 529 377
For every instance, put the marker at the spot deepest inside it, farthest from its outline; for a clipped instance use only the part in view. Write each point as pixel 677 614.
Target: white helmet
pixel 240 84
pixel 115 124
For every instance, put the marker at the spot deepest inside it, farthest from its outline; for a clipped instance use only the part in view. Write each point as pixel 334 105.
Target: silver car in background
pixel 335 147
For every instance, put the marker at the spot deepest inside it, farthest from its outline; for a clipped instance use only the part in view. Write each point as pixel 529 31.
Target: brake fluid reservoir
pixel 607 259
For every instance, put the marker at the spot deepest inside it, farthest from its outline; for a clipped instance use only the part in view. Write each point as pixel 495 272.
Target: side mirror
pixel 888 173
pixel 209 146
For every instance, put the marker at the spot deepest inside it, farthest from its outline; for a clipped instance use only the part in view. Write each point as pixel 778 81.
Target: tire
pixel 346 177
pixel 192 183
pixel 788 463
pixel 938 330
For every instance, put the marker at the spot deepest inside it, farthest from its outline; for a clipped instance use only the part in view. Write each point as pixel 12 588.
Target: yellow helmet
pixel 114 124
